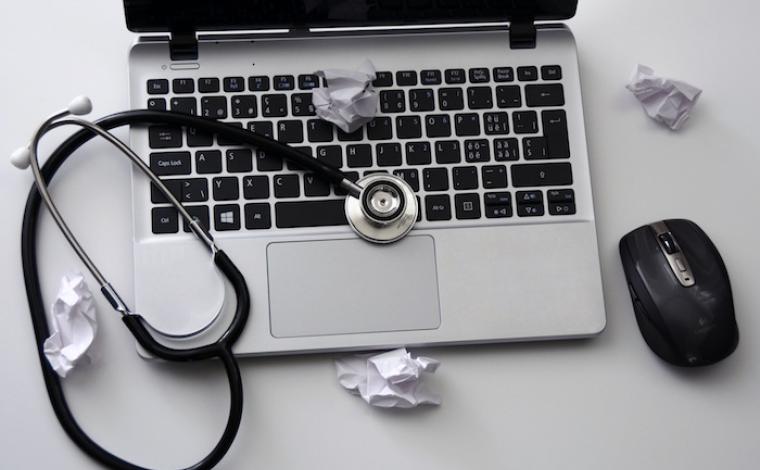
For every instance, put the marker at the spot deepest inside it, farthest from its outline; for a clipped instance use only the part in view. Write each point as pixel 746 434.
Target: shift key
pixel 547 174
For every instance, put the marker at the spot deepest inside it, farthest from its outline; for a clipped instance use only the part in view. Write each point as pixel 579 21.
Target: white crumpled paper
pixel 665 100
pixel 349 101
pixel 388 380
pixel 73 324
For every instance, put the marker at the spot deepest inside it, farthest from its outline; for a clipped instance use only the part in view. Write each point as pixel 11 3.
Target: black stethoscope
pixel 381 208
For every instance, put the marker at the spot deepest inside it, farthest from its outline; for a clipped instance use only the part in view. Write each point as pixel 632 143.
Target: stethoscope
pixel 381 208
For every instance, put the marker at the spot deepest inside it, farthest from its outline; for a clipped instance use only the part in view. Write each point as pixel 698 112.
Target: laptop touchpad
pixel 352 286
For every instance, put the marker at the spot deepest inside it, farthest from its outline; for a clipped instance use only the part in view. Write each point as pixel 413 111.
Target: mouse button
pixel 668 243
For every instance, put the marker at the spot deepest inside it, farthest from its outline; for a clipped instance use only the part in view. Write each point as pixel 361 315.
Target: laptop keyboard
pixel 481 143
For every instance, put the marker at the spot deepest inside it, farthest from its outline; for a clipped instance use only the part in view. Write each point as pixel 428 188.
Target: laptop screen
pixel 218 15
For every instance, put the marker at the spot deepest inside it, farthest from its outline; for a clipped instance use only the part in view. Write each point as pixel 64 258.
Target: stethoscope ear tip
pixel 80 106
pixel 21 158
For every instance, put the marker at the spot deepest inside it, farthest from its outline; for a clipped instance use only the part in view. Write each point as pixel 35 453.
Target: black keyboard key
pixel 165 220
pixel 286 186
pixel 380 128
pixel 555 133
pixel 315 186
pixel 467 206
pixel 284 82
pixel 265 128
pixel 480 97
pixel 527 74
pixel 234 84
pixel 225 188
pixel 529 197
pixel 256 187
pixel 158 87
pixel 406 78
pixel 476 151
pixel 290 132
pixel 529 210
pixel 467 124
pixel 310 213
pixel 497 199
pixel 544 95
pixel 194 190
pixel 455 76
pixel 494 176
pixel 465 177
pixel 480 75
pixel 560 195
pixel 258 83
pixel 392 101
pixel 214 107
pixel 221 140
pixel 421 100
pixel 183 85
pixel 388 154
pixel 258 216
pixel 508 96
pixel 164 137
pixel 196 138
pixel 318 130
pixel 383 79
pixel 243 106
pixel 170 163
pixel 418 153
pixel 525 122
pixel 266 162
pixel 354 136
pixel 551 72
pixel 438 125
pixel 408 127
pixel 506 149
pixel 199 214
pixel 157 196
pixel 331 155
pixel 301 104
pixel 208 161
pixel 274 105
pixel 411 176
pixel 435 179
pixel 239 161
pixel 447 151
pixel 534 148
pixel 208 85
pixel 227 217
pixel 438 207
pixel 157 104
pixel 430 77
pixel 496 123
pixel 497 205
pixel 547 174
pixel 503 74
pixel 561 208
pixel 451 99
pixel 308 82
pixel 359 156
pixel 184 106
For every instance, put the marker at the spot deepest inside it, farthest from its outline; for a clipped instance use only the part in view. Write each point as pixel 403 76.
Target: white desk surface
pixel 599 404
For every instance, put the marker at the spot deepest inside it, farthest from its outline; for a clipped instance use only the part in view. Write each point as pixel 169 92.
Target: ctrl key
pixel 165 220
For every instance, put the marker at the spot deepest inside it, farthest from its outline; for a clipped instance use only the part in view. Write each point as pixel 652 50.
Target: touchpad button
pixel 352 286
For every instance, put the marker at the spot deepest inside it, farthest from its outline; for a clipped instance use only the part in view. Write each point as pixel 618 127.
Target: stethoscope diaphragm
pixel 385 211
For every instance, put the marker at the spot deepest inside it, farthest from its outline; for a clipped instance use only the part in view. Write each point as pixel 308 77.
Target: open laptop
pixel 480 111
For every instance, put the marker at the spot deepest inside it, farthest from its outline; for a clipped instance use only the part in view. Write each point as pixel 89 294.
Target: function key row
pixel 233 84
pixel 460 76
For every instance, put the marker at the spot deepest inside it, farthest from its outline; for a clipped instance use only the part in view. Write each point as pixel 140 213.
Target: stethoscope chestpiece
pixel 385 211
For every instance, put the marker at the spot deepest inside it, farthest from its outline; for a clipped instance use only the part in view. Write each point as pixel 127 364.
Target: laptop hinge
pixel 183 45
pixel 522 33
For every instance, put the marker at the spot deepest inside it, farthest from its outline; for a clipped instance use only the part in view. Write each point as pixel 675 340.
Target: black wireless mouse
pixel 681 292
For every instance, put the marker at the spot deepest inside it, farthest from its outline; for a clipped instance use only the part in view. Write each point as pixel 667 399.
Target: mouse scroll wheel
pixel 667 241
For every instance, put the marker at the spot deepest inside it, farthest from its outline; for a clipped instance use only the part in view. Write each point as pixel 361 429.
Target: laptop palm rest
pixel 351 286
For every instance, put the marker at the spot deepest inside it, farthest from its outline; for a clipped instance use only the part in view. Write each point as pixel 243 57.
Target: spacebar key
pixel 549 174
pixel 310 213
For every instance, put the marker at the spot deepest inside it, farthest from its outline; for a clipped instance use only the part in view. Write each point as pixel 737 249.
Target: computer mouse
pixel 681 292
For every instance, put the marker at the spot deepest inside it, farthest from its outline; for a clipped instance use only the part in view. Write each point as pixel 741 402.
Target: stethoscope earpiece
pixel 80 106
pixel 21 158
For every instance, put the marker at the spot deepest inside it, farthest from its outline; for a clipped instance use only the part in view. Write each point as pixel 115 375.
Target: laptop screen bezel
pixel 222 15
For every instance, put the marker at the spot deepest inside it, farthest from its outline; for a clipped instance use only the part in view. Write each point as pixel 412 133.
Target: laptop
pixel 480 112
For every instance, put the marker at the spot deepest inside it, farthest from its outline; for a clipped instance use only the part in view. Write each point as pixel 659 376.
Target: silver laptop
pixel 480 112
